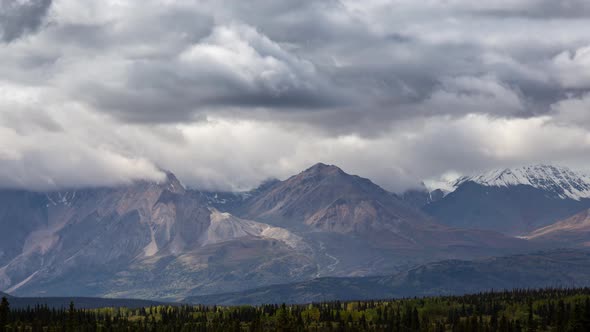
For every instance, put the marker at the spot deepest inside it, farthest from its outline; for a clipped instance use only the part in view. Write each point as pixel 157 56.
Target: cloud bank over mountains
pixel 229 93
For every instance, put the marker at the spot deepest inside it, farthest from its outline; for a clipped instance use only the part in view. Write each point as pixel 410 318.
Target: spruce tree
pixel 4 311
pixel 71 318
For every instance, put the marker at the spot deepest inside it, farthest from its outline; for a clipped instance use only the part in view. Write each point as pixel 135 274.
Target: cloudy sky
pixel 227 93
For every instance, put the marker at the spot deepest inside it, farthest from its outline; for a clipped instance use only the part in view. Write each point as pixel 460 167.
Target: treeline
pixel 509 311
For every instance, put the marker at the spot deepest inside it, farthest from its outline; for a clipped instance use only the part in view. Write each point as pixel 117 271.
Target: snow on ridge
pixel 60 198
pixel 561 181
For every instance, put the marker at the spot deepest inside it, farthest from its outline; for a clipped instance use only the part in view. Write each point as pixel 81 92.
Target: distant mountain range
pixel 164 241
pixel 513 201
pixel 555 181
pixel 559 268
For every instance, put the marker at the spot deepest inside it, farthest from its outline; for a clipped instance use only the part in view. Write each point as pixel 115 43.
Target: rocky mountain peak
pixel 169 183
pixel 172 183
pixel 322 169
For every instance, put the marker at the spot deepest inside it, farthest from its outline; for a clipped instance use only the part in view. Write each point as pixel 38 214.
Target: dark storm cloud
pixel 410 88
pixel 306 58
pixel 18 17
pixel 234 66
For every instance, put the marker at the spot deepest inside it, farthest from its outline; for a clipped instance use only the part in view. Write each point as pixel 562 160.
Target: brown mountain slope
pixel 574 231
pixel 325 198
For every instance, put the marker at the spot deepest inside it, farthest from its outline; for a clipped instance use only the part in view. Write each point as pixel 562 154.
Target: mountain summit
pixel 325 197
pixel 321 168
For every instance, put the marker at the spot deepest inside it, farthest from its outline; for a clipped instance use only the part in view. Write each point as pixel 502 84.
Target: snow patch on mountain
pixel 560 181
pixel 225 227
pixel 60 198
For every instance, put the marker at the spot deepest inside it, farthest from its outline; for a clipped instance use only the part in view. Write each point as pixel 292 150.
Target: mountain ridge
pixel 559 180
pixel 326 198
pixel 139 240
pixel 158 239
pixel 563 267
pixel 512 201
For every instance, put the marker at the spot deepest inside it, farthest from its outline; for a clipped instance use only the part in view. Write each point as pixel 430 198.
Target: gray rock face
pixel 21 212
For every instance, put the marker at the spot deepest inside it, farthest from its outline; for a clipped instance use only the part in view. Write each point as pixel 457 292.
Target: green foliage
pixel 509 311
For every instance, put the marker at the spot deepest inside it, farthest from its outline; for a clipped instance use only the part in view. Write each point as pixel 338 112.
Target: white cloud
pixel 242 55
pixel 573 111
pixel 573 68
pixel 465 94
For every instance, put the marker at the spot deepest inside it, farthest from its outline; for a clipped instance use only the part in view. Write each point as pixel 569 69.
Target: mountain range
pixel 147 240
pixel 161 240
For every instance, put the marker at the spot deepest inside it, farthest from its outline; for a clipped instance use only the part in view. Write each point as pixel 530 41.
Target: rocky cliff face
pixel 147 239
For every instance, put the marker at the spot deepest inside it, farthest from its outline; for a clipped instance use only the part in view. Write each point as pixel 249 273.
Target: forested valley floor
pixel 516 310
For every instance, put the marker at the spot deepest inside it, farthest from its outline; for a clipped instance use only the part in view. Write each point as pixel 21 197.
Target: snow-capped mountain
pixel 514 201
pixel 561 181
